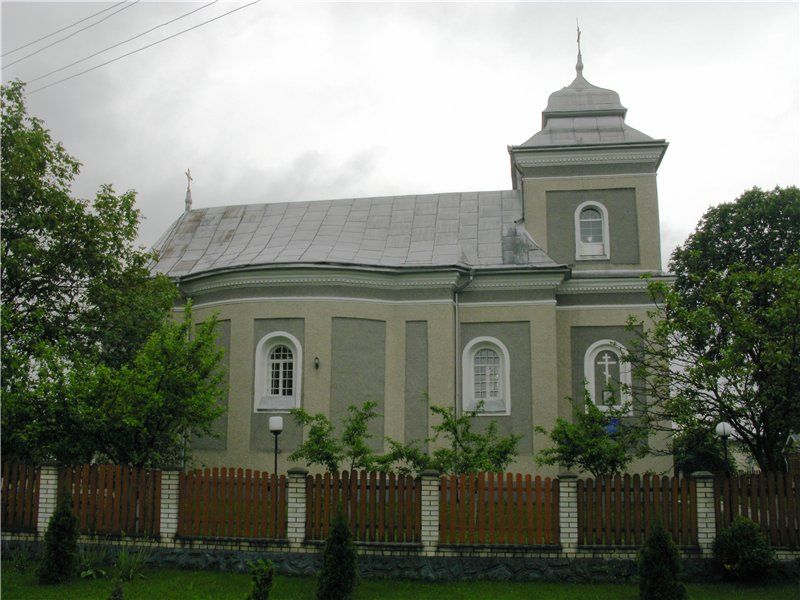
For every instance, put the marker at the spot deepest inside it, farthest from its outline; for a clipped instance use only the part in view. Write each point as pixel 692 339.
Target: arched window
pixel 591 232
pixel 277 373
pixel 607 375
pixel 486 377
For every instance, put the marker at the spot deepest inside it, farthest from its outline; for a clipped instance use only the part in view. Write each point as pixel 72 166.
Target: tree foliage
pixel 467 451
pixel 86 331
pixel 742 552
pixel 600 442
pixel 339 574
pixel 725 339
pixel 700 450
pixel 660 567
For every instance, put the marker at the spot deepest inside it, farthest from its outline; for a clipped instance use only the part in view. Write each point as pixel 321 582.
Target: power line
pixel 108 62
pixel 72 64
pixel 100 12
pixel 66 37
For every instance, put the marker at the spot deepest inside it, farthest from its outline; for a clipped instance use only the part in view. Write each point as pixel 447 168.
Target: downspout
pixel 457 340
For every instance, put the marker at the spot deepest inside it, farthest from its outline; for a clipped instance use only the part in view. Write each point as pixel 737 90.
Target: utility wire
pixel 72 64
pixel 63 28
pixel 108 62
pixel 66 37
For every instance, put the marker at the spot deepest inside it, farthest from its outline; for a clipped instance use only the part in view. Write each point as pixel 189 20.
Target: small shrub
pixel 130 563
pixel 21 558
pixel 659 567
pixel 263 572
pixel 116 593
pixel 92 561
pixel 60 558
pixel 339 573
pixel 742 552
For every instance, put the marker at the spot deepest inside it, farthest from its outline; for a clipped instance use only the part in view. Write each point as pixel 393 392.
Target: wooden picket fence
pixel 379 507
pixel 496 508
pixel 19 497
pixel 770 499
pixel 114 499
pixel 232 503
pixel 619 511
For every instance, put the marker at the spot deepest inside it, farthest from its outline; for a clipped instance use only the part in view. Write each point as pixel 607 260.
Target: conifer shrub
pixel 742 551
pixel 263 572
pixel 60 557
pixel 339 573
pixel 660 567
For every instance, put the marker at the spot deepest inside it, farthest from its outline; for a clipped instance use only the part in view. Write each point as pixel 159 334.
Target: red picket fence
pixel 489 508
pixel 770 499
pixel 619 511
pixel 231 503
pixel 19 497
pixel 114 499
pixel 379 507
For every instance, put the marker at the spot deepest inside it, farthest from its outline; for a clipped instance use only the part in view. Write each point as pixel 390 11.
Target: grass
pixel 166 584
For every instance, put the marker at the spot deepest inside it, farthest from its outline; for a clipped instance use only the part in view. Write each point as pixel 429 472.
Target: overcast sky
pixel 284 102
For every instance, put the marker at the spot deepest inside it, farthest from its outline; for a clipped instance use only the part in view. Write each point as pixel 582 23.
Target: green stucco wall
pixel 358 370
pixel 622 223
pixel 416 379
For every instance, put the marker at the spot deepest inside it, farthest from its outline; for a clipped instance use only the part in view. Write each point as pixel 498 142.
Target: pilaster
pixel 568 512
pixel 169 503
pixel 429 516
pixel 296 500
pixel 706 520
pixel 48 496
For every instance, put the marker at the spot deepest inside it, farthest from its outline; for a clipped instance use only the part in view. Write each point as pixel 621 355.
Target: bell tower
pixel 588 182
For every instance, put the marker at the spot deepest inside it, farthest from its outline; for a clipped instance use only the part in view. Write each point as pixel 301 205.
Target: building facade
pixel 504 300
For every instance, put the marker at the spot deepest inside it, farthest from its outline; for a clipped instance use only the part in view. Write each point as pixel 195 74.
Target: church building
pixel 509 300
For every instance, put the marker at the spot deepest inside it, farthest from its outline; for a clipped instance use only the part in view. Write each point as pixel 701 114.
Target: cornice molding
pixel 602 286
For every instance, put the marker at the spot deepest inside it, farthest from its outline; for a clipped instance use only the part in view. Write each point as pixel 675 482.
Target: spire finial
pixel 579 64
pixel 188 190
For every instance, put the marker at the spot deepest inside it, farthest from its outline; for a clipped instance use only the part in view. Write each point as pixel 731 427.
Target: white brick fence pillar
pixel 706 521
pixel 169 503
pixel 296 500
pixel 568 512
pixel 429 515
pixel 48 494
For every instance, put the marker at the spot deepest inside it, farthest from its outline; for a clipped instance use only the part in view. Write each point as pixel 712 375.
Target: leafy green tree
pixel 742 552
pixel 724 340
pixel 599 442
pixel 60 556
pixel 700 450
pixel 323 447
pixel 84 322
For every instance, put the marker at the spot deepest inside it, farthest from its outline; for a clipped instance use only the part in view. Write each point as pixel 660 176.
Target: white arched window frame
pixel 486 378
pixel 278 373
pixel 588 228
pixel 607 353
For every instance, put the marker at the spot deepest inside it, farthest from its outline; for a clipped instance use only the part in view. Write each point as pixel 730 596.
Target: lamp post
pixel 276 427
pixel 723 430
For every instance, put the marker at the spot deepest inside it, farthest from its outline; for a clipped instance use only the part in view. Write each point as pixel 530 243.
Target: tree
pixel 60 556
pixel 700 450
pixel 725 338
pixel 83 319
pixel 339 573
pixel 660 567
pixel 322 446
pixel 599 442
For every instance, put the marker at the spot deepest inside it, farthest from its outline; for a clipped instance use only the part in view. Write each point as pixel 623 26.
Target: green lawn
pixel 163 584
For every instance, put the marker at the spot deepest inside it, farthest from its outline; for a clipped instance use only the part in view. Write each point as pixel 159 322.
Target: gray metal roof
pixel 474 229
pixel 582 113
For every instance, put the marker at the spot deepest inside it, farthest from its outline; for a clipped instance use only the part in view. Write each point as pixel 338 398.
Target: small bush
pixel 263 572
pixel 339 573
pixel 21 558
pixel 742 552
pixel 60 558
pixel 116 593
pixel 130 563
pixel 659 567
pixel 92 562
